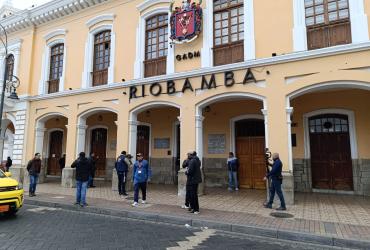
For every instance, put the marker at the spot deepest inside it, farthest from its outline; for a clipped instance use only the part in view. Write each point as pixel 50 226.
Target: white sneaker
pixel 135 204
pixel 196 212
pixel 143 202
pixel 184 207
pixel 236 189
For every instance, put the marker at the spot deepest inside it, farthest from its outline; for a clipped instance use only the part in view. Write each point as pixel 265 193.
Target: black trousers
pixel 142 186
pixel 194 203
pixel 122 176
pixel 187 195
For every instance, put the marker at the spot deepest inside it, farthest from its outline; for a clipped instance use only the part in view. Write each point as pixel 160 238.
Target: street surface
pixel 50 228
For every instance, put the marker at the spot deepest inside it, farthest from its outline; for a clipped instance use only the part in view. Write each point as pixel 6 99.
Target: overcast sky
pixel 24 4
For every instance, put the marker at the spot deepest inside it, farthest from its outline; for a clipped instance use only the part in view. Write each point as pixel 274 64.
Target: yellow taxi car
pixel 11 194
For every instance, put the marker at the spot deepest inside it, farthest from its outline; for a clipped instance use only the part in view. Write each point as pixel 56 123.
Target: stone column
pixel 132 136
pixel 280 142
pixel 199 146
pixel 68 174
pixel 39 148
pixel 2 141
pixel 18 153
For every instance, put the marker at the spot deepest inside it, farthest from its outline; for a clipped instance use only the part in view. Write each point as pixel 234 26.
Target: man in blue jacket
pixel 233 166
pixel 141 174
pixel 122 165
pixel 276 181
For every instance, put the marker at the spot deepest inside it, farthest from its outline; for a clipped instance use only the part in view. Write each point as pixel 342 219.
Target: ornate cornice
pixel 101 18
pixel 55 33
pixel 146 4
pixel 47 12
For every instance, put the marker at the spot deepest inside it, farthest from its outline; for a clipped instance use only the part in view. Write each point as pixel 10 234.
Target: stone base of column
pixel 42 175
pixel 288 188
pixel 17 173
pixel 129 184
pixel 69 177
pixel 181 183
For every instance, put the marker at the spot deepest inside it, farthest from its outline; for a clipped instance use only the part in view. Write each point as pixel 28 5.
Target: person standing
pixel 122 166
pixel 83 171
pixel 141 174
pixel 194 178
pixel 62 163
pixel 276 182
pixel 92 161
pixel 185 165
pixel 8 164
pixel 233 166
pixel 34 168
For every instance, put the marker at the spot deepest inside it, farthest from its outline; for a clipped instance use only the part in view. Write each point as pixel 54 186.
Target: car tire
pixel 11 212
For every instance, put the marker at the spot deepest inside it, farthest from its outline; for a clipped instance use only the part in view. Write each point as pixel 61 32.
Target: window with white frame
pixel 99 59
pixel 56 67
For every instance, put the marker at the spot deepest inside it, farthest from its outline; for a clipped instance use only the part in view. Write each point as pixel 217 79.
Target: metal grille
pixel 7 189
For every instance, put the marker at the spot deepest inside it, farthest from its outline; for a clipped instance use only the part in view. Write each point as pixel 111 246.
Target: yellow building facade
pixel 103 76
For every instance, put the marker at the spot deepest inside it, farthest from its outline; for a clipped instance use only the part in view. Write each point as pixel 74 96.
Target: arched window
pixel 9 66
pixel 102 46
pixel 228 16
pixel 56 67
pixel 328 23
pixel 156 38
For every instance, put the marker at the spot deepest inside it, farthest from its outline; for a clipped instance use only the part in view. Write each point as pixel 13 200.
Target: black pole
pixel 5 76
pixel 3 94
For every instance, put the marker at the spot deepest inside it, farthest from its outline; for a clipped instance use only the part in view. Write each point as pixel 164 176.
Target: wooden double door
pixel 331 161
pixel 99 147
pixel 142 141
pixel 55 153
pixel 250 150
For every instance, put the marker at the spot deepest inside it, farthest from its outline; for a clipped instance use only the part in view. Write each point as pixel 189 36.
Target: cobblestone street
pixel 51 228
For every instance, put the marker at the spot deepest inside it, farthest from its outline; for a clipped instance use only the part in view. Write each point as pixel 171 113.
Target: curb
pixel 228 227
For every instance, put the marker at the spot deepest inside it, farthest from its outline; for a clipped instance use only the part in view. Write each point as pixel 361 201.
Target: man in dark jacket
pixel 83 171
pixel 8 164
pixel 194 177
pixel 34 168
pixel 185 165
pixel 62 162
pixel 233 166
pixel 122 165
pixel 276 181
pixel 92 161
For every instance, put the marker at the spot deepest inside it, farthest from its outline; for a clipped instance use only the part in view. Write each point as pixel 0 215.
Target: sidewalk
pixel 318 218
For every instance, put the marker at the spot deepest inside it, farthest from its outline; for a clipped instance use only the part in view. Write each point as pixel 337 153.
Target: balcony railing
pixel 99 77
pixel 53 86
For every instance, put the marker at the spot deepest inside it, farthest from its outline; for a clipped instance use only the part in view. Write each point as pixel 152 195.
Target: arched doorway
pixel 250 150
pixel 331 162
pixel 55 152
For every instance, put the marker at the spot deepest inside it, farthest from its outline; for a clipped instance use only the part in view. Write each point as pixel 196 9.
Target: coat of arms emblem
pixel 186 21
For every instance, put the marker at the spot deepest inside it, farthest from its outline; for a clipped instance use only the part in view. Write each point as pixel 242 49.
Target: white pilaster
pixel 206 52
pixel 170 63
pixel 199 135
pixel 249 39
pixel 359 24
pixel 299 28
pixel 132 136
pixel 265 118
pixel 81 138
pixel 112 58
pixel 39 140
pixel 289 112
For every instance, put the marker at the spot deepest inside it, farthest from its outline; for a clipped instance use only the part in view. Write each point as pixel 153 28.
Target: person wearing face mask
pixel 276 182
pixel 34 168
pixel 141 175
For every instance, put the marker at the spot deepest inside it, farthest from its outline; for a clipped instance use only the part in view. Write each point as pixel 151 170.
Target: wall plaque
pixel 161 143
pixel 216 143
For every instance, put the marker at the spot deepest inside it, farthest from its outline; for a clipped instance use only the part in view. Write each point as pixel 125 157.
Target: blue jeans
pixel 81 192
pixel 276 187
pixel 33 183
pixel 233 179
pixel 137 186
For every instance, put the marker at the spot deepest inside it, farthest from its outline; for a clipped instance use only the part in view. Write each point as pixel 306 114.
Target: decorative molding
pixel 249 38
pixel 47 12
pixel 101 18
pixel 54 33
pixel 148 3
pixel 292 57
